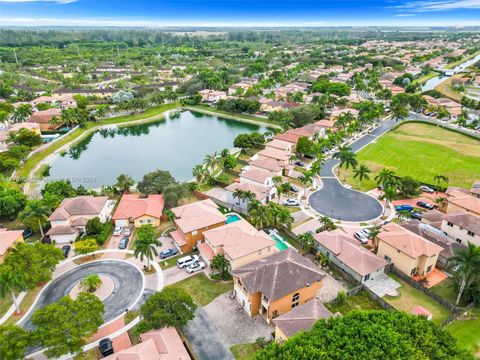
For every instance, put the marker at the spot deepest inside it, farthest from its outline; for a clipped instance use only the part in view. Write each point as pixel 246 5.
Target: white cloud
pixel 404 15
pixel 53 1
pixel 443 5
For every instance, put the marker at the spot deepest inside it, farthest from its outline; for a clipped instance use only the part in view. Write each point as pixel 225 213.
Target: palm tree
pixel 440 180
pixel 466 263
pixel 374 232
pixel 238 194
pixel 211 161
pixel 326 223
pixel 200 173
pixel 361 172
pixel 386 178
pixel 224 155
pixel 22 113
pixel 221 264
pixel 260 216
pixel 146 248
pixel 283 217
pixel 317 166
pixel 90 283
pixel 10 281
pixel 389 194
pixel 35 214
pixel 347 158
pixel 307 180
pixel 306 242
pixel 404 214
pixel 124 182
pixel 442 202
pixel 170 215
pixel 249 197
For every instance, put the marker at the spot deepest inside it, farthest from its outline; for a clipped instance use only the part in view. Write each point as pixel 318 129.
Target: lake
pixel 176 144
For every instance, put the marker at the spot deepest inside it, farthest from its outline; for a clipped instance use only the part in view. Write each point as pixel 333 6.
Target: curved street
pixel 128 282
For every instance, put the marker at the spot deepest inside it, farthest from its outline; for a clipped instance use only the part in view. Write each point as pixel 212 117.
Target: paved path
pixel 128 286
pixel 205 339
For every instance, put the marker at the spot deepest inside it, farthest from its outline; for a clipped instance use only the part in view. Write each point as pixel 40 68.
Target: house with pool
pixel 238 241
pixel 192 220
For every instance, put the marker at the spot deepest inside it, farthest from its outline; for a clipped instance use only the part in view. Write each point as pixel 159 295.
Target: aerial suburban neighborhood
pixel 252 192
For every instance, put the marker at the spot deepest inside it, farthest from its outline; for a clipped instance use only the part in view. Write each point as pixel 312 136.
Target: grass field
pixel 446 89
pixel 360 301
pixel 244 351
pixel 467 332
pixel 410 298
pixel 422 151
pixel 202 289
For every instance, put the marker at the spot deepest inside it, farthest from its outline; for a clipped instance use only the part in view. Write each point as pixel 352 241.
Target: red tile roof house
pixel 239 242
pixel 272 165
pixel 162 344
pixel 69 219
pixel 43 117
pixel 348 255
pixel 7 240
pixel 133 208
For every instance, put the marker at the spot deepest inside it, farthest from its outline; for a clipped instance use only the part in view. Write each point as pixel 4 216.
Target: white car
pixel 187 261
pixel 291 202
pixel 127 232
pixel 196 266
pixel 366 232
pixel 118 230
pixel 360 236
pixel 427 189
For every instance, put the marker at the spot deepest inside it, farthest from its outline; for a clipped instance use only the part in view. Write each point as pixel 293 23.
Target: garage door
pixel 121 222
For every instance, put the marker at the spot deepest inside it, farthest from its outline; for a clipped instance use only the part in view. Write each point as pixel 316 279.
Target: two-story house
pixel 192 220
pixel 276 284
pixel 70 218
pixel 463 227
pixel 139 210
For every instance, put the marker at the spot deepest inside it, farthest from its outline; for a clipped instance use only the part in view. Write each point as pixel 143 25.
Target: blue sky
pixel 239 13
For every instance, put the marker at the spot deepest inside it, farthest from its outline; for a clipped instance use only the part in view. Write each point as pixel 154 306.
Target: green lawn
pixel 244 351
pixel 202 289
pixel 422 151
pixel 171 261
pixel 24 305
pixel 360 301
pixel 446 289
pixel 423 79
pixel 410 298
pixel 467 332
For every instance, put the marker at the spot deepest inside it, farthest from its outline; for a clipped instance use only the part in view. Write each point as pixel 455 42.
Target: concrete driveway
pixel 127 279
pixel 234 324
pixel 205 339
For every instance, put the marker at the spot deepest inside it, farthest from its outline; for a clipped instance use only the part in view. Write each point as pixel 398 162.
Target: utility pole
pixel 15 53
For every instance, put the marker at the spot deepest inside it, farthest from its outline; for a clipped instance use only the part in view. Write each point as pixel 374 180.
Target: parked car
pixel 360 236
pixel 186 261
pixel 196 266
pixel 299 163
pixel 404 208
pixel 416 215
pixel 291 202
pixel 425 205
pixel 27 233
pixel 66 250
pixel 127 232
pixel 123 243
pixel 427 189
pixel 106 347
pixel 167 253
pixel 366 232
pixel 117 231
pixel 293 188
pixel 270 231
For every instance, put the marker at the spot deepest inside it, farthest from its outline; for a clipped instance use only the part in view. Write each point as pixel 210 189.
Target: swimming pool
pixel 280 244
pixel 232 218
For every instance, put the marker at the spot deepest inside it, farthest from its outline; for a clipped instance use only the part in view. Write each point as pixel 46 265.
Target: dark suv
pixel 106 347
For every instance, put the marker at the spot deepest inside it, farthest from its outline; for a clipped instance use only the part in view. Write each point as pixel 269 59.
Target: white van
pixel 186 261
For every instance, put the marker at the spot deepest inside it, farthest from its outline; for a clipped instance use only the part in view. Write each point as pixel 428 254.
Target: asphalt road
pixel 127 279
pixel 204 338
pixel 338 202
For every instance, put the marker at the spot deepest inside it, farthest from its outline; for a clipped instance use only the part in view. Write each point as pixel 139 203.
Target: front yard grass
pixel 410 298
pixel 202 289
pixel 422 151
pixel 244 351
pixel 24 305
pixel 171 261
pixel 446 289
pixel 360 301
pixel 467 332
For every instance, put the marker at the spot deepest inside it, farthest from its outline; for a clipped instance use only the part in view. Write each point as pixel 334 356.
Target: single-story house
pixel 34 127
pixel 139 210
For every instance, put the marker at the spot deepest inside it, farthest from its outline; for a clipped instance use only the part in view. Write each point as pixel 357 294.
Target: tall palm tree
pixel 200 173
pixel 283 217
pixel 307 180
pixel 10 281
pixel 223 158
pixel 35 214
pixel 221 264
pixel 374 232
pixel 386 177
pixel 317 166
pixel 260 217
pixel 347 159
pixel 22 113
pixel 124 182
pixel 211 161
pixel 466 263
pixel 326 223
pixel 361 172
pixel 238 194
pixel 440 180
pixel 90 283
pixel 442 202
pixel 389 194
pixel 146 248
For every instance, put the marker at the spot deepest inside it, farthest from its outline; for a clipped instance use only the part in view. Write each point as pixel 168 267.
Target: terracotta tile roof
pixel 433 215
pixel 360 260
pixel 274 154
pixel 132 206
pixel 464 200
pixel 407 242
pixel 325 123
pixel 8 239
pixel 78 206
pixel 279 144
pixel 198 215
pixel 465 220
pixel 302 318
pixel 44 116
pixel 238 239
pixel 206 251
pixel 260 192
pixel 25 125
pixel 259 176
pixel 62 230
pixel 279 274
pixel 268 164
pixel 301 132
pixel 291 138
pixel 178 237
